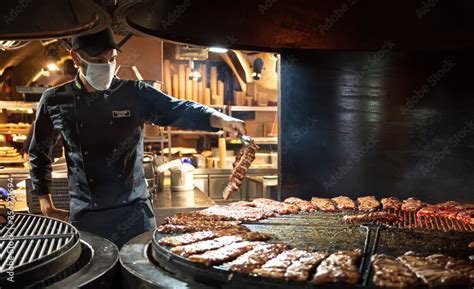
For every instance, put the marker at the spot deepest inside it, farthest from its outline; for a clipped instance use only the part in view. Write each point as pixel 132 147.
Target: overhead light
pixel 195 74
pixel 52 66
pixel 257 68
pixel 218 49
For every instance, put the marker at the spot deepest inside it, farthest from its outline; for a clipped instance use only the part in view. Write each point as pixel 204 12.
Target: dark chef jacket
pixel 102 133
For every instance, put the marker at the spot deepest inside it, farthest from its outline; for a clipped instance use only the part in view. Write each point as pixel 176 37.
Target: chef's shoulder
pixel 57 94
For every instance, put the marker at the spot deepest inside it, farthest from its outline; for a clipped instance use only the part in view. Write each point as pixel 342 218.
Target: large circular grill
pixel 34 248
pixel 317 231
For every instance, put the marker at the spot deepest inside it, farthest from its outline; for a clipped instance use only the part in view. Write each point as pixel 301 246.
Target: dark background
pixel 343 129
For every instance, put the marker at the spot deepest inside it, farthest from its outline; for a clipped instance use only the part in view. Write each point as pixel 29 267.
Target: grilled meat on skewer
pixel 391 273
pixel 368 204
pixel 323 204
pixel 304 206
pixel 344 203
pixel 373 217
pixel 242 163
pixel 340 267
pixel 255 258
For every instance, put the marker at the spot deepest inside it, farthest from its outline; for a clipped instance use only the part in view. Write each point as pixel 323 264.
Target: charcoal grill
pixel 44 252
pixel 317 231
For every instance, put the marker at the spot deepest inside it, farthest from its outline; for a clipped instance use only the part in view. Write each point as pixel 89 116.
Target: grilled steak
pixel 431 273
pixel 304 206
pixel 223 254
pixel 373 217
pixel 242 163
pixel 277 266
pixel 324 204
pixel 344 203
pixel 275 206
pixel 255 258
pixel 412 205
pixel 391 203
pixel 339 267
pixel 391 273
pixel 368 204
pixel 300 269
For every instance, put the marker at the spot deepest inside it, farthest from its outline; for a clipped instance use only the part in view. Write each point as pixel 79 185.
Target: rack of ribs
pixel 391 273
pixel 300 269
pixel 190 238
pixel 373 217
pixel 339 267
pixel 344 203
pixel 240 213
pixel 223 254
pixel 432 273
pixel 412 205
pixel 242 163
pixel 255 258
pixel 324 204
pixel 450 263
pixel 303 205
pixel 275 206
pixel 368 204
pixel 276 267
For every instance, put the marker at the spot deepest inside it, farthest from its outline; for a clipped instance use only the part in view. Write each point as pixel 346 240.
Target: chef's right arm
pixel 42 142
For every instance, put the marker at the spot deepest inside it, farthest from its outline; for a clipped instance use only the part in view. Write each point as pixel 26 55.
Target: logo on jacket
pixel 120 113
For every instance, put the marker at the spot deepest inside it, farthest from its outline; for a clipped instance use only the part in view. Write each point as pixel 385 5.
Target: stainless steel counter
pixel 168 203
pixel 253 170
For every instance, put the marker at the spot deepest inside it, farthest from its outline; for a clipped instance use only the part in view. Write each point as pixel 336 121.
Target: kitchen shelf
pixel 17 105
pixel 254 108
pixel 31 89
pixel 193 132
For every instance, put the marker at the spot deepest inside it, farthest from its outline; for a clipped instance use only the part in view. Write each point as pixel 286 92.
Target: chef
pixel 100 120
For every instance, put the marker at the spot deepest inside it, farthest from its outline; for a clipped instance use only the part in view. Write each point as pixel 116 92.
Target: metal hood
pixel 43 19
pixel 272 25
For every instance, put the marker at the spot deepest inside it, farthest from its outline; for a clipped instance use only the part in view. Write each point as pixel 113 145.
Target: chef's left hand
pixel 233 126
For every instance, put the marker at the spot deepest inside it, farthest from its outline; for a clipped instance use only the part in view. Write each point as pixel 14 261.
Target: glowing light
pixel 52 66
pixel 218 49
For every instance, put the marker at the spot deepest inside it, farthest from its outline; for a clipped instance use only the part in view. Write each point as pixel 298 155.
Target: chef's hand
pixel 48 208
pixel 233 126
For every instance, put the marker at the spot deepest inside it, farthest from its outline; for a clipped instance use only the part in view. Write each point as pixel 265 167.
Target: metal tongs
pixel 246 140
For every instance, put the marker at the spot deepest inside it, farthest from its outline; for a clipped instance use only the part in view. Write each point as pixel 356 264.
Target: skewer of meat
pixel 344 203
pixel 391 273
pixel 255 258
pixel 303 205
pixel 339 267
pixel 240 167
pixel 323 204
pixel 368 204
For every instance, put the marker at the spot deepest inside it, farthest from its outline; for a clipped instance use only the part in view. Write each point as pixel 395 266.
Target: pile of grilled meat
pixel 216 236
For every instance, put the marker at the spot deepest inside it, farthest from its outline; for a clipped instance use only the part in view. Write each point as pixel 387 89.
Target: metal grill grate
pixel 431 223
pixel 29 240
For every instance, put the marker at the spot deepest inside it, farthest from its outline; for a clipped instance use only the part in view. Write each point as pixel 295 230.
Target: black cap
pixel 93 44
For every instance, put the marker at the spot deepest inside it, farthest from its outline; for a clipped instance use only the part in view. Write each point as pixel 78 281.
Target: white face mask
pixel 99 75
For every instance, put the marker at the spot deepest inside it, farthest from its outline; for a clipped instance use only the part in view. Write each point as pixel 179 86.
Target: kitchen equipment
pixel 182 177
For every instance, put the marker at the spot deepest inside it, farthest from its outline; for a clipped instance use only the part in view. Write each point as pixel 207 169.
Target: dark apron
pixel 120 224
